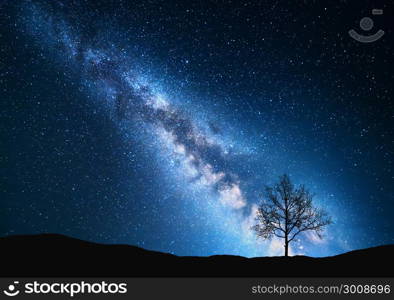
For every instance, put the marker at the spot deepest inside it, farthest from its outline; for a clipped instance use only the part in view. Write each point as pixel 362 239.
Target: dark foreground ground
pixel 57 255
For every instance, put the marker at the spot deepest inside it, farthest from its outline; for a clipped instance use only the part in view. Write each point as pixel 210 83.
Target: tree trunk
pixel 286 248
pixel 286 228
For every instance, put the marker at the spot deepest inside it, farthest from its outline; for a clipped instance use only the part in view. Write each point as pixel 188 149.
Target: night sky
pixel 158 123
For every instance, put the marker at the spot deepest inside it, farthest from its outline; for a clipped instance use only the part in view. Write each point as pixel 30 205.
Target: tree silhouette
pixel 287 211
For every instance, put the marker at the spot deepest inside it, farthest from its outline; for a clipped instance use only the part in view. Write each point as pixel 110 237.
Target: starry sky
pixel 158 123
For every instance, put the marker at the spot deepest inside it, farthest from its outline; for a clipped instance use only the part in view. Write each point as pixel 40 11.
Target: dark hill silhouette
pixel 58 255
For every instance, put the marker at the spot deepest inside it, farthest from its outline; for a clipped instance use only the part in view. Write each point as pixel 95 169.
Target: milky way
pixel 205 162
pixel 195 150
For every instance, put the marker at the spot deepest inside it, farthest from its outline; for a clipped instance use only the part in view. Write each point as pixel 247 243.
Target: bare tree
pixel 287 211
